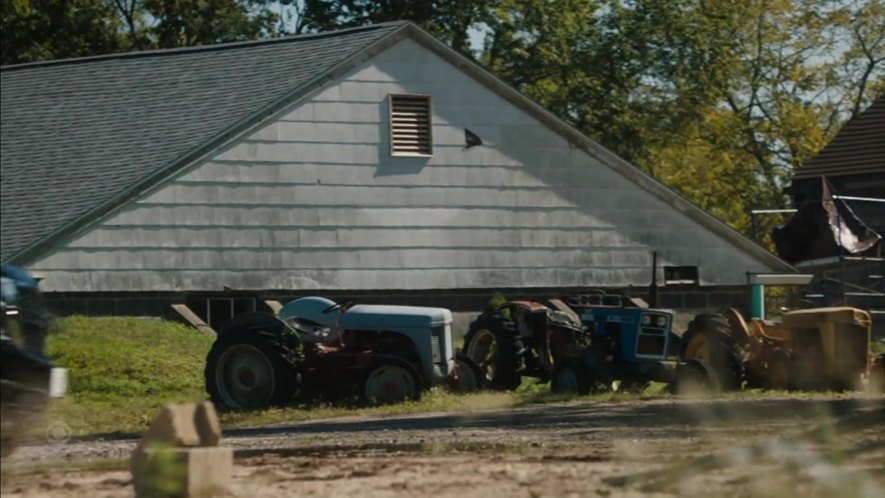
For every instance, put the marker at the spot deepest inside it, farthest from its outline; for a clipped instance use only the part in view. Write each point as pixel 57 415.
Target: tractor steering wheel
pixel 343 307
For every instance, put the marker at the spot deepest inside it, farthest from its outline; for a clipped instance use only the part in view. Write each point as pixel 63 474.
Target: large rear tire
pixel 496 346
pixel 250 369
pixel 709 339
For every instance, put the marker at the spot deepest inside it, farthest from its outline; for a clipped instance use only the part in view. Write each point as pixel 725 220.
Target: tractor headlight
pixel 646 320
pixel 661 321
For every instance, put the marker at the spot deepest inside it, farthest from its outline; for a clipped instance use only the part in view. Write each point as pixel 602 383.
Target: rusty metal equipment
pixel 818 348
pixel 595 341
pixel 521 338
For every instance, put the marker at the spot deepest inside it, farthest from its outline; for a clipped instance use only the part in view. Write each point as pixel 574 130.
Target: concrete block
pixel 179 455
pixel 162 471
pixel 184 425
pixel 207 424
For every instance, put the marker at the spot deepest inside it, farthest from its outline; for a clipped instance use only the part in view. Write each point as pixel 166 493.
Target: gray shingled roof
pixel 78 133
pixel 858 148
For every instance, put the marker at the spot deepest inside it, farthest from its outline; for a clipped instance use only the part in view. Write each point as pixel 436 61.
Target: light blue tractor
pixel 317 347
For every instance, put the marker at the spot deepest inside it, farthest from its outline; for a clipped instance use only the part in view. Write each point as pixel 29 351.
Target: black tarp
pixel 825 227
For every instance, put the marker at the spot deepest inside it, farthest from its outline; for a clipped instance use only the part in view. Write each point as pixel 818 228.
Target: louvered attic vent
pixel 410 131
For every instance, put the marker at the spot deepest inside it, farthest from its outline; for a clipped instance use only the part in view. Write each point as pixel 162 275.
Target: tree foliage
pixel 34 30
pixel 184 23
pixel 448 20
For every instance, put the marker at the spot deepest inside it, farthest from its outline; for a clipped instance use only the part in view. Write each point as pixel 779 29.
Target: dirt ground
pixel 763 447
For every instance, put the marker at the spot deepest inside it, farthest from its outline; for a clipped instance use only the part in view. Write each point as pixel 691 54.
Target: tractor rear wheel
pixel 389 380
pixel 250 369
pixel 709 339
pixel 496 346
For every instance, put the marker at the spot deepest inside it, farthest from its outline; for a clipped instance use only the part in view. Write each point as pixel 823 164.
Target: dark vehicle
pixel 25 372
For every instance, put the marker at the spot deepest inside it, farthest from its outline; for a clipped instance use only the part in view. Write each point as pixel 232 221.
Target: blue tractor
pixel 630 345
pixel 583 343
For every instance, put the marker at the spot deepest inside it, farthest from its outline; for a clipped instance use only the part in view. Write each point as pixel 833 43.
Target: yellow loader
pixel 810 349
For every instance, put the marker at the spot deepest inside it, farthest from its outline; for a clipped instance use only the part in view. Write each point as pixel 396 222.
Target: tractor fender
pixel 254 321
pixel 739 329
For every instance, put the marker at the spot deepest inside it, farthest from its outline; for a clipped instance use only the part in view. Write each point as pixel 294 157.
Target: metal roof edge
pixel 197 48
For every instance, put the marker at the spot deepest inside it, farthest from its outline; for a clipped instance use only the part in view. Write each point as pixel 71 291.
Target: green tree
pixel 448 20
pixel 184 23
pixel 783 77
pixel 34 30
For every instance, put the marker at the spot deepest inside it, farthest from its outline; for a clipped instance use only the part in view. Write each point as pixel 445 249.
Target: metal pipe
pixel 862 199
pixel 769 211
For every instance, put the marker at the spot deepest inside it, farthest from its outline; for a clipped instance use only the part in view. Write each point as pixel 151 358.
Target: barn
pixel 373 163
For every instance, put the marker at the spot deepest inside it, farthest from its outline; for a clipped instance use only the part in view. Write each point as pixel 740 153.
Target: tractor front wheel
pixel 469 377
pixel 389 380
pixel 571 377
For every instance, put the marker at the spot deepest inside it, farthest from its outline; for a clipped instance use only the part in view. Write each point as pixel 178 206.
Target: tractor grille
pixel 651 342
pixel 434 349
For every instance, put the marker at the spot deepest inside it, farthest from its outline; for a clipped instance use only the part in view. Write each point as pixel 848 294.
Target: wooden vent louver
pixel 410 131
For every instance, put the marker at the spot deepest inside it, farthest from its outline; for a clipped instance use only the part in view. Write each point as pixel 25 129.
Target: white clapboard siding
pixel 313 199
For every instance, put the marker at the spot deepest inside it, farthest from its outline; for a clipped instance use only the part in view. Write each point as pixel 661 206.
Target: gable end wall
pixel 313 200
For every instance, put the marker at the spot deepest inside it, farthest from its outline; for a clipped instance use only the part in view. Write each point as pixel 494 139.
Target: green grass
pixel 123 370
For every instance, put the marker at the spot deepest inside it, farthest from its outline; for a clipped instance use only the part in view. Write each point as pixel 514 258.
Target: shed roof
pixel 77 133
pixel 858 148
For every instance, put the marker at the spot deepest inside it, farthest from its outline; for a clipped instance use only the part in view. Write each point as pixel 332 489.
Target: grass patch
pixel 123 370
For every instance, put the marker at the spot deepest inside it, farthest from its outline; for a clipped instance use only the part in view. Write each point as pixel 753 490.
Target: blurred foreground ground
pixel 745 447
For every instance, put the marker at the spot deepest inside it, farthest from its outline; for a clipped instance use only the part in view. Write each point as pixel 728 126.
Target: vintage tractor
pixel 520 338
pixel 595 341
pixel 317 347
pixel 26 375
pixel 818 348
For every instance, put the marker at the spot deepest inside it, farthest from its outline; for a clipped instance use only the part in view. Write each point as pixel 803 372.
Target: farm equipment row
pixel 605 341
pixel 315 347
